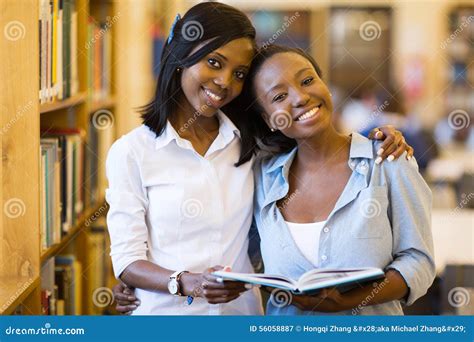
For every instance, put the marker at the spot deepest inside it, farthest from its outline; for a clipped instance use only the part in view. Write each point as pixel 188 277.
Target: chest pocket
pixel 372 219
pixel 165 190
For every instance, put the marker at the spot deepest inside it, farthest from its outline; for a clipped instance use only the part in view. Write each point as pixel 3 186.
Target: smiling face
pixel 218 78
pixel 294 98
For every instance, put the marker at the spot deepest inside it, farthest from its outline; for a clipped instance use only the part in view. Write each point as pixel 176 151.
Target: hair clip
pixel 176 19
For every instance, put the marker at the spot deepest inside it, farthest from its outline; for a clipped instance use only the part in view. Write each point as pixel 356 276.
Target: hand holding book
pixel 310 282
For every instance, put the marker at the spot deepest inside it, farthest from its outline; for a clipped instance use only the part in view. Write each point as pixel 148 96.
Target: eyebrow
pixel 279 84
pixel 225 58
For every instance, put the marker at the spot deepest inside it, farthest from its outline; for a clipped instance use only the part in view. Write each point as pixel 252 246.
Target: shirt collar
pixel 226 128
pixel 361 147
pixel 281 160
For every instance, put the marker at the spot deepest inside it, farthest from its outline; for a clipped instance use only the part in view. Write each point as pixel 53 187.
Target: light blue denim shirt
pixel 381 219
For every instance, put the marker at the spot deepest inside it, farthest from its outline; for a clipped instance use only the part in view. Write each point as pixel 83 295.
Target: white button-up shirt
pixel 182 211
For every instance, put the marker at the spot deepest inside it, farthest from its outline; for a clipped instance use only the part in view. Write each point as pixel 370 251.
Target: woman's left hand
pixel 393 145
pixel 328 300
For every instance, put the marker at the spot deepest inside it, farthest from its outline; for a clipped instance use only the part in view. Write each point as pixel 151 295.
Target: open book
pixel 311 281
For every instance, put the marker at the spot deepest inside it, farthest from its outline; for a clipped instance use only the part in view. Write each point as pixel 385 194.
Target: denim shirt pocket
pixel 371 219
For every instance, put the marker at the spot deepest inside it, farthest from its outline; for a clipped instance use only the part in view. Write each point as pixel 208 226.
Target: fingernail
pixel 137 302
pixel 131 298
pixel 248 286
pixel 227 269
pixel 378 160
pixel 390 158
pixel 409 157
pixel 133 307
pixel 380 151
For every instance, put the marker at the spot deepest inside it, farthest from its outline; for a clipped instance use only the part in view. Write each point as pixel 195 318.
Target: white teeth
pixel 213 96
pixel 308 114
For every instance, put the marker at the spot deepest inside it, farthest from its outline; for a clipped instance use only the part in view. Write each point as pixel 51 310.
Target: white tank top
pixel 306 236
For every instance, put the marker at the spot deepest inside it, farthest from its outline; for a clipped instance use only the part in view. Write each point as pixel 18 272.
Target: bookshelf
pixel 459 54
pixel 27 121
pixel 74 100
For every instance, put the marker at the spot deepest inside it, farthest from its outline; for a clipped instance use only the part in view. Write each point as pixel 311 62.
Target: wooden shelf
pixel 57 248
pixel 14 291
pixel 102 104
pixel 69 102
pixel 24 169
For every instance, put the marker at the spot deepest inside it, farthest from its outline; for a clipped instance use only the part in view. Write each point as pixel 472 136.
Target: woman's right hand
pixel 203 285
pixel 125 297
pixel 207 286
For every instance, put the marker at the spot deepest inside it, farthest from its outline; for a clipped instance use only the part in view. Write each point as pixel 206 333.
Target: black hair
pixel 214 24
pixel 251 119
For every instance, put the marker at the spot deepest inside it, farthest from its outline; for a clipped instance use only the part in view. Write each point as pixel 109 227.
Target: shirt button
pixel 324 257
pixel 362 162
pixel 326 230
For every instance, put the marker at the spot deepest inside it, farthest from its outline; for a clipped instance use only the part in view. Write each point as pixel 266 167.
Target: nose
pixel 223 80
pixel 300 98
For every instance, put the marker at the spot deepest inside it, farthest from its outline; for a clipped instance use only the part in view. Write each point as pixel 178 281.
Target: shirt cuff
pixel 417 281
pixel 120 262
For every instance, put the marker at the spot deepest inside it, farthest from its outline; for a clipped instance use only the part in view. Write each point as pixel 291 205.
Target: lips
pixel 308 114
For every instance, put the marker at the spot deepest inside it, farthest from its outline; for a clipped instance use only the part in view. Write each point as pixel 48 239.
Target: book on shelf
pixel 310 282
pixel 99 268
pixel 58 47
pixel 65 281
pixel 68 277
pixel 61 286
pixel 50 192
pixel 99 46
pixel 49 290
pixel 62 175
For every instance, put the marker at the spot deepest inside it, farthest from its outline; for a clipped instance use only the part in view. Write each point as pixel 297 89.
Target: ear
pixel 266 118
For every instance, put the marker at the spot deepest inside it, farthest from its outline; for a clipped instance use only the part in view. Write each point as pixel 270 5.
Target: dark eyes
pixel 214 63
pixel 240 75
pixel 307 81
pixel 279 97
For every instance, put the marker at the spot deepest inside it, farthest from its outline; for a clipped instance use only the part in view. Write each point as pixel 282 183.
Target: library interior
pixel 74 74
